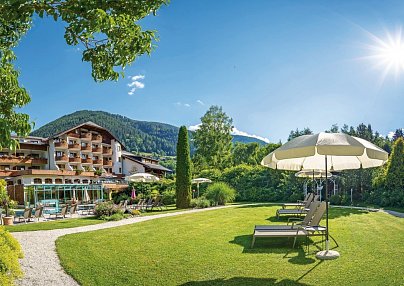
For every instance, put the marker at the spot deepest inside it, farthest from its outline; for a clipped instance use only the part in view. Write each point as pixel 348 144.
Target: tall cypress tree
pixel 394 174
pixel 183 170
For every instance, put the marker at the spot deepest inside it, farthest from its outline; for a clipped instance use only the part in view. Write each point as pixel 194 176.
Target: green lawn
pixel 53 224
pixel 213 248
pixel 72 222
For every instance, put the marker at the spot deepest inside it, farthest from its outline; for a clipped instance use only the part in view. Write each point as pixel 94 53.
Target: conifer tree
pixel 183 170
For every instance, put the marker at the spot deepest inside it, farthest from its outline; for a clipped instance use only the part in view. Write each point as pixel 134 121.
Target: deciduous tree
pixel 213 141
pixel 109 32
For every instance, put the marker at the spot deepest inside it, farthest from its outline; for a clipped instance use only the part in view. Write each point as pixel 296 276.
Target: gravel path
pixel 41 265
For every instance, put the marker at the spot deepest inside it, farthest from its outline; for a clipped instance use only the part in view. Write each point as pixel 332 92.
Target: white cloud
pixel 194 127
pixel 235 131
pixel 178 103
pixel 242 133
pixel 135 83
pixel 390 135
pixel 200 102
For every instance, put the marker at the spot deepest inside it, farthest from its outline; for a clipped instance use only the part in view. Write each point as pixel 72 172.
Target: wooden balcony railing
pixel 106 151
pixel 86 148
pixel 75 160
pixel 62 144
pixel 87 161
pixel 74 135
pixel 85 136
pixel 97 150
pixel 97 138
pixel 62 158
pixel 97 162
pixel 107 162
pixel 74 146
pixel 23 160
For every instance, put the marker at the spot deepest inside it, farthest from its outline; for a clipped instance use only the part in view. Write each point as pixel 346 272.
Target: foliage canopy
pixel 109 32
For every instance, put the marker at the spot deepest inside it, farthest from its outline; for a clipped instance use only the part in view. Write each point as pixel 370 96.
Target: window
pixel 85 181
pixel 77 181
pixel 19 182
pixel 120 159
pixel 118 148
pixel 37 181
pixel 48 181
pixel 19 154
pixel 58 181
pixel 120 170
pixel 59 153
pixel 68 181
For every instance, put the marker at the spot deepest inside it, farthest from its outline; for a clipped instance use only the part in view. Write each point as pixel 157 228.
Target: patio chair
pixel 158 203
pixel 311 229
pixel 308 198
pixel 139 205
pixel 27 216
pixel 73 209
pixel 62 212
pixel 38 212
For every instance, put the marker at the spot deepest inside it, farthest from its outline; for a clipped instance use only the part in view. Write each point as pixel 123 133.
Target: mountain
pixel 142 136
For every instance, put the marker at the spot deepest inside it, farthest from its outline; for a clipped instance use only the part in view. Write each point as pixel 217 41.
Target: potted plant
pixel 7 203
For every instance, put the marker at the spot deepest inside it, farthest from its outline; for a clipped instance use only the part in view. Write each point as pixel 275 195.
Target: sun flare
pixel 387 53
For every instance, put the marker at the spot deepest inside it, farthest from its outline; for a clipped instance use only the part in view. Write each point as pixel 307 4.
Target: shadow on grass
pixel 238 281
pixel 333 213
pixel 277 246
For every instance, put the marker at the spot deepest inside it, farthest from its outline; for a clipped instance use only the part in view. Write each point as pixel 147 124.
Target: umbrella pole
pixel 197 186
pixel 327 254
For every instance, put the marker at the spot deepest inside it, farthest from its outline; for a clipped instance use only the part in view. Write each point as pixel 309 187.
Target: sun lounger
pixel 139 205
pixel 308 198
pixel 26 216
pixel 292 223
pixel 38 213
pixel 158 203
pixel 311 229
pixel 298 211
pixel 62 212
pixel 73 209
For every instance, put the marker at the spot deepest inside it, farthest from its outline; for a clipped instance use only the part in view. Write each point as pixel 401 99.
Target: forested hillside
pixel 142 136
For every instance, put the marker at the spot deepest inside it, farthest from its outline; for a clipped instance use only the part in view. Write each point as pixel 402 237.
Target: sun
pixel 387 53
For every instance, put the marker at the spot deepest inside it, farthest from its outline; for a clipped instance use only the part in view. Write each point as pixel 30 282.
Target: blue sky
pixel 273 66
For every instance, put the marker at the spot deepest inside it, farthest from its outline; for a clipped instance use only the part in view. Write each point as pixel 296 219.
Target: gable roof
pixel 89 124
pixel 131 157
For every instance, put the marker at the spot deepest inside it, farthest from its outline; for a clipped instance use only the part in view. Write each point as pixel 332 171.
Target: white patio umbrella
pixel 198 181
pixel 142 178
pixel 313 174
pixel 326 151
pixel 86 196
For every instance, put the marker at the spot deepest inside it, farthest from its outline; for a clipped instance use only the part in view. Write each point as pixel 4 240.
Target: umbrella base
pixel 327 254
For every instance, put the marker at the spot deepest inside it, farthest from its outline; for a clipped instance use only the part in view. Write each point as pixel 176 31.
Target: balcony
pixel 62 145
pixel 75 160
pixel 74 135
pixel 106 151
pixel 97 162
pixel 107 162
pixel 97 150
pixel 86 148
pixel 23 160
pixel 85 136
pixel 62 158
pixel 96 138
pixel 87 161
pixel 74 146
